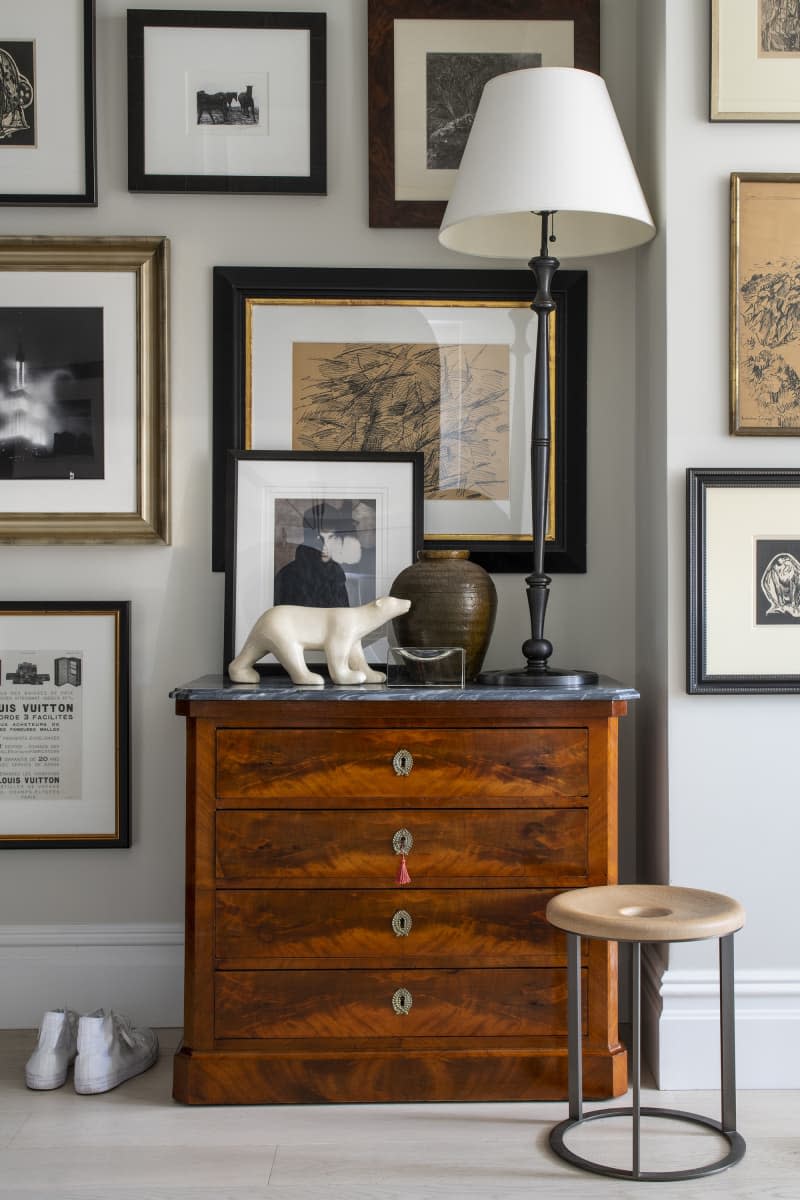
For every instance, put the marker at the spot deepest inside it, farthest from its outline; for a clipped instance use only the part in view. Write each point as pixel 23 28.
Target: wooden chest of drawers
pixel 311 975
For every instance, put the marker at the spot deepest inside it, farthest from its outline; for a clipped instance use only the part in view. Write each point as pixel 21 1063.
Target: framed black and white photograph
pixel 428 63
pixel 47 103
pixel 743 573
pixel 438 361
pixel 317 530
pixel 755 51
pixel 226 101
pixel 64 723
pixel 84 451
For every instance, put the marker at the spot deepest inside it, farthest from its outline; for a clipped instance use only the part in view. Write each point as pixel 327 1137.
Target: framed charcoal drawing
pixel 47 103
pixel 84 451
pixel 439 361
pixel 226 102
pixel 743 573
pixel 317 530
pixel 428 62
pixel 755 60
pixel 764 304
pixel 64 723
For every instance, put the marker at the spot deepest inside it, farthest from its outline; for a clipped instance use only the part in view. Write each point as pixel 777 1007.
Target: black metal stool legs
pixel 726 1126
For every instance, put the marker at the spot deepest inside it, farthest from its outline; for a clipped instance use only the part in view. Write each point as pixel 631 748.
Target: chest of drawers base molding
pixel 311 976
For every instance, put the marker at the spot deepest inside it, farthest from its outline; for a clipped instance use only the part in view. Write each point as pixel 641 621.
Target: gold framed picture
pixel 764 305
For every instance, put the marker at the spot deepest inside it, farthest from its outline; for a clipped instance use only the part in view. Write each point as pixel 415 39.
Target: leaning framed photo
pixel 64 723
pixel 47 103
pixel 84 450
pixel 226 101
pixel 755 50
pixel 764 311
pixel 439 361
pixel 317 530
pixel 743 575
pixel 428 63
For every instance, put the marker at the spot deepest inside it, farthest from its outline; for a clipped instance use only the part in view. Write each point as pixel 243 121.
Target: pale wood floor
pixel 135 1143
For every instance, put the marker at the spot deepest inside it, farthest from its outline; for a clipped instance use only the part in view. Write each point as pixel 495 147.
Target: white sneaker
pixel 48 1065
pixel 111 1050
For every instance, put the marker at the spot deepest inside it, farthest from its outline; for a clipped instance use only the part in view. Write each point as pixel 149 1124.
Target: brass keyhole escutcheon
pixel 401 923
pixel 402 841
pixel 402 762
pixel 402 1001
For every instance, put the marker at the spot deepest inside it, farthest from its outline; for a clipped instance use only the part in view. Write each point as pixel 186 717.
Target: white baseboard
pixel 137 969
pixel 681 1016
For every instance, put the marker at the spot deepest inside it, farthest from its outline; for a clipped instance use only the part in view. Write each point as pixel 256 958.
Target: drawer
pixel 458 764
pixel 343 1004
pixel 315 848
pixel 490 925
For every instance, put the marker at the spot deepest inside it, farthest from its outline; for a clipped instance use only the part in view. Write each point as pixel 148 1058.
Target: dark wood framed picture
pixel 84 430
pixel 47 103
pixel 764 305
pixel 755 47
pixel 356 360
pixel 743 576
pixel 64 723
pixel 428 62
pixel 226 101
pixel 317 530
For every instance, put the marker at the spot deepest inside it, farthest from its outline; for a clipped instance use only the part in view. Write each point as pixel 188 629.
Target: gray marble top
pixel 219 687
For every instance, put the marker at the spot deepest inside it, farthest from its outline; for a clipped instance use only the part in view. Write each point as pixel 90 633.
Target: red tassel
pixel 403 876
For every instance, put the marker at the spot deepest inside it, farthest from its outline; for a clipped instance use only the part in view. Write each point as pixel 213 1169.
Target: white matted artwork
pixel 84 454
pixel 755 60
pixel 452 59
pixel 226 102
pixel 47 118
pixel 283 336
pixel 744 580
pixel 318 530
pixel 64 723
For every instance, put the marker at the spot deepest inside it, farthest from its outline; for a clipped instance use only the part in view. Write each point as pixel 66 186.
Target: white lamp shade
pixel 545 140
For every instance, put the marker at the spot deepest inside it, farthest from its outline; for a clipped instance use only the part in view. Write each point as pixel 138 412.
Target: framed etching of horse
pixel 764 305
pixel 743 573
pixel 47 107
pixel 226 102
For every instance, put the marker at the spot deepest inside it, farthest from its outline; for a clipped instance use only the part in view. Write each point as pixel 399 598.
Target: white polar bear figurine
pixel 289 629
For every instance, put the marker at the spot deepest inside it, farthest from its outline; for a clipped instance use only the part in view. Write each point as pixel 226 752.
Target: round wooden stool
pixel 639 913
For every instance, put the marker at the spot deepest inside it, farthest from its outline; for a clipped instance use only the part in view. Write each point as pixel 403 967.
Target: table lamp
pixel 545 162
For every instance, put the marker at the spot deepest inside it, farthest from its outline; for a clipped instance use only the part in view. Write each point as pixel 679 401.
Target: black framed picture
pixel 437 361
pixel 317 530
pixel 226 101
pixel 743 577
pixel 428 63
pixel 64 723
pixel 47 103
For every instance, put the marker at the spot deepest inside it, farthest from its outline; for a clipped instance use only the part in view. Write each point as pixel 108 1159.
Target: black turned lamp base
pixel 553 677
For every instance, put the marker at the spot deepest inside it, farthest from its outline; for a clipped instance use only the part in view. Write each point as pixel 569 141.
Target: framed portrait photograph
pixel 317 530
pixel 428 63
pixel 64 723
pixel 439 361
pixel 755 52
pixel 47 103
pixel 743 574
pixel 84 450
pixel 226 101
pixel 764 305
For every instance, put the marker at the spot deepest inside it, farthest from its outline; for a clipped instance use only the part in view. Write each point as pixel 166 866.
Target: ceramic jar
pixel 453 603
